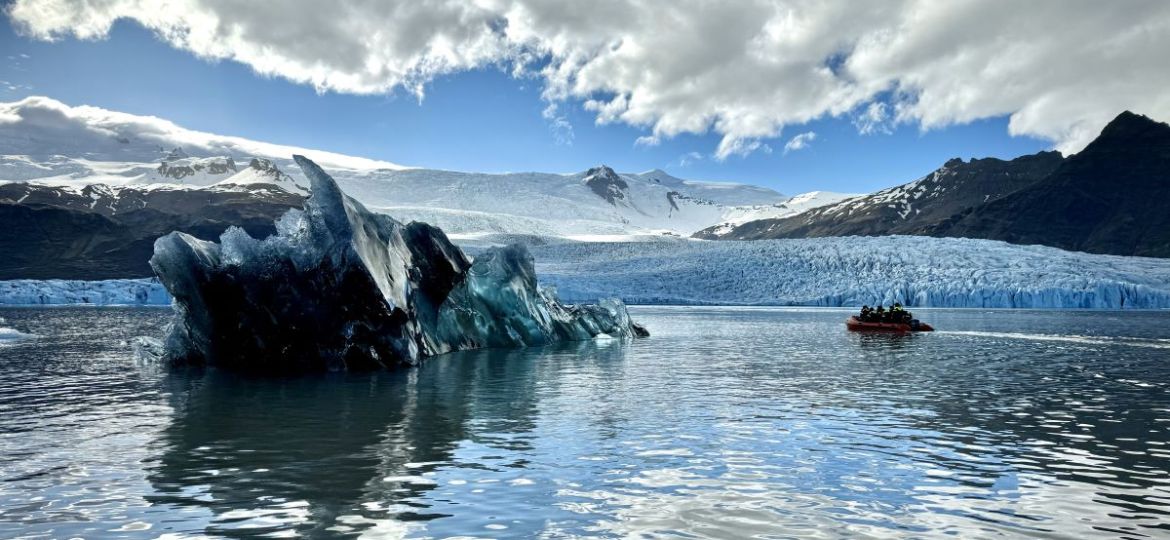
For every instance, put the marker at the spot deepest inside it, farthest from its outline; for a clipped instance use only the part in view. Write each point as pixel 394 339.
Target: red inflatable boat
pixel 857 325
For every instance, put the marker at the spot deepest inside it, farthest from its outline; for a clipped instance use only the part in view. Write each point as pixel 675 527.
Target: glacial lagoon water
pixel 727 423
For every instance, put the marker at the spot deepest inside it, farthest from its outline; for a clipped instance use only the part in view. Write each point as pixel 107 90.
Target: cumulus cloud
pixel 800 142
pixel 744 70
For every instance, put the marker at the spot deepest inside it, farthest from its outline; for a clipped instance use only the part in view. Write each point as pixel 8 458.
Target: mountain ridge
pixel 1110 198
pixel 909 208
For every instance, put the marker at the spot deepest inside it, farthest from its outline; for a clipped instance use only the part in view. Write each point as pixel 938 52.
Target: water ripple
pixel 766 423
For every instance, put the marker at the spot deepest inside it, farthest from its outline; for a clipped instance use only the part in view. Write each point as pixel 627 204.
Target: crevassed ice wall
pixel 936 272
pixel 138 292
pixel 851 271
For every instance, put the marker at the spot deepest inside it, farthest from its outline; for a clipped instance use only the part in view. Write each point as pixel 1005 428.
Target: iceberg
pixel 11 335
pixel 341 288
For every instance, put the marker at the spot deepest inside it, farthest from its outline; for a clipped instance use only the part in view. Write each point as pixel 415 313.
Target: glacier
pixel 852 271
pixel 341 288
pixel 110 292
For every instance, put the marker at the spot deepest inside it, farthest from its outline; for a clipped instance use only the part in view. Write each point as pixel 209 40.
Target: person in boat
pixel 901 315
pixel 880 314
pixel 866 314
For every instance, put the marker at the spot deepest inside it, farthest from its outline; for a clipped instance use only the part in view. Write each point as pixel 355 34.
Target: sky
pixel 793 95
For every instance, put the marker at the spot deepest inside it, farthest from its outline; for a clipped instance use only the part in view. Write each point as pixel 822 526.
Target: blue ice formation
pixel 341 288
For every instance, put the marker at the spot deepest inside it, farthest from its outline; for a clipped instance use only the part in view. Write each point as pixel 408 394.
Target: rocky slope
pixel 1112 197
pixel 913 208
pixel 103 232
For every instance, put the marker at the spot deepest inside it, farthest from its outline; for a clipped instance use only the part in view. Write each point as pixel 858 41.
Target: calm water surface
pixel 766 423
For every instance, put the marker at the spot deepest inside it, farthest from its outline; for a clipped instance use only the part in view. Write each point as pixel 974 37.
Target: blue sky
pixel 478 120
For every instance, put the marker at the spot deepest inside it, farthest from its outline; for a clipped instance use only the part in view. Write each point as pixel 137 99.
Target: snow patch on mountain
pixel 790 207
pixel 723 193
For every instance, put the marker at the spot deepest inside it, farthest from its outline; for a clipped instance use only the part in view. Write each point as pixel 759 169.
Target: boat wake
pixel 1151 343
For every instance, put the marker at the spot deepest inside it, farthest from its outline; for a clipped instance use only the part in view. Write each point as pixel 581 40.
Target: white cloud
pixel 800 141
pixel 41 126
pixel 874 118
pixel 743 70
pixel 558 125
pixel 742 147
pixel 648 140
pixel 689 158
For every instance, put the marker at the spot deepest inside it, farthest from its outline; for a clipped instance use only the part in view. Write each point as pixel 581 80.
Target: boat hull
pixel 857 325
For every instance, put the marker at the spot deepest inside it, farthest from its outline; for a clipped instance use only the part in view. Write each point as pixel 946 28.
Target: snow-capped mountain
pixel 47 142
pixel 589 204
pixel 91 188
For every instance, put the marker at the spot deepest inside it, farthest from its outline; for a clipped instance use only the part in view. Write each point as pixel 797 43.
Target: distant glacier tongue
pixel 339 287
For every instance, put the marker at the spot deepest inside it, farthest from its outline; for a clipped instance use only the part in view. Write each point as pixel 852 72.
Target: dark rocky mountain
pixel 607 184
pixel 913 208
pixel 179 168
pixel 1112 197
pixel 103 232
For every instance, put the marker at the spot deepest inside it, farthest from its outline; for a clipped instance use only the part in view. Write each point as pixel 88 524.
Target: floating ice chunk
pixel 10 335
pixel 408 479
pixel 339 287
